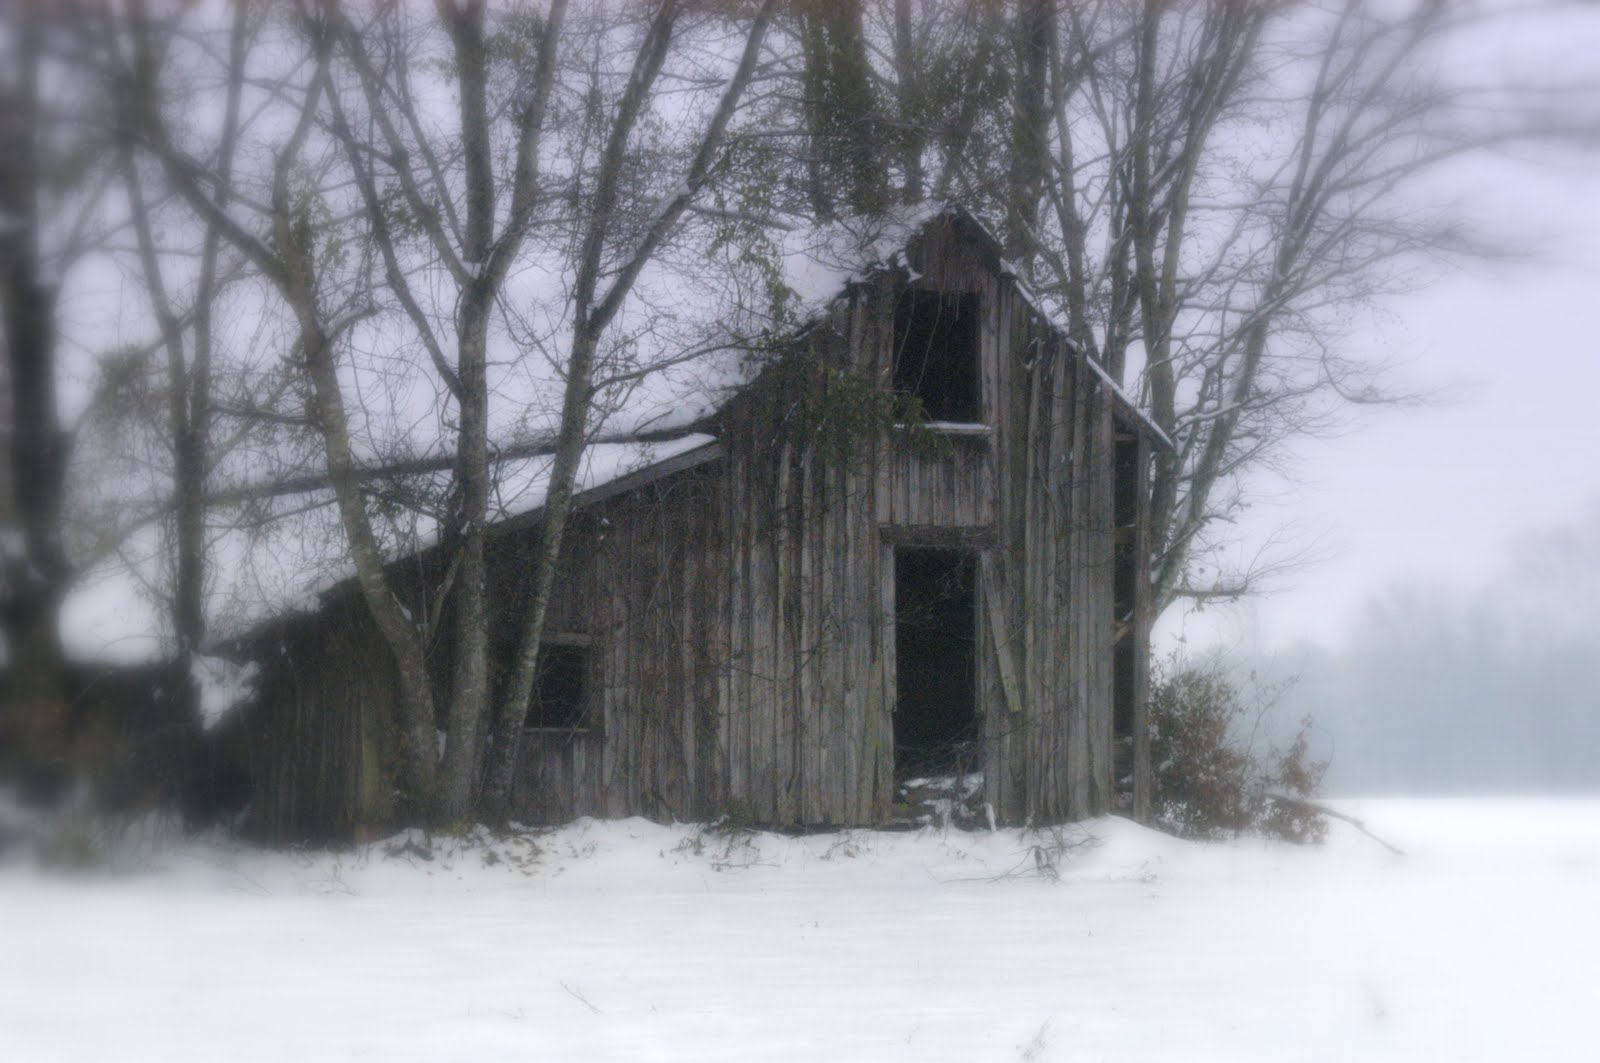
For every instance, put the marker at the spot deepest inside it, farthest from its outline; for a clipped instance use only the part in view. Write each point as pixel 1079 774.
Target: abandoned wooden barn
pixel 834 589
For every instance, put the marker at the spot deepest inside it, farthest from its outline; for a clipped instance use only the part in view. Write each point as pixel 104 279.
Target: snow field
pixel 631 940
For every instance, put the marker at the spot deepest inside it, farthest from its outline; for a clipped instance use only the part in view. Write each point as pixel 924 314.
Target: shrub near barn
pixel 1210 782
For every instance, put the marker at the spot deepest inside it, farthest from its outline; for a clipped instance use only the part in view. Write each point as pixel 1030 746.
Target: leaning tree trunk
pixel 1030 127
pixel 596 309
pixel 845 157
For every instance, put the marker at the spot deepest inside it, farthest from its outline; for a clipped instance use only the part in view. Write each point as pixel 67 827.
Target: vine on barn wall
pixel 837 411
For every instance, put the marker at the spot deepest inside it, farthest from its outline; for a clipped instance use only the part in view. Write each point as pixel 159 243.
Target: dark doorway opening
pixel 935 716
pixel 936 353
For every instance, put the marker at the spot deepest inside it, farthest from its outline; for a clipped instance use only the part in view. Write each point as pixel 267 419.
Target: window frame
pixel 901 333
pixel 586 716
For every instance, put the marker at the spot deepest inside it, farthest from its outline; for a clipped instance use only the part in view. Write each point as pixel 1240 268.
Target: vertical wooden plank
pixel 878 603
pixel 802 731
pixel 688 533
pixel 1103 731
pixel 997 722
pixel 1078 736
pixel 858 636
pixel 837 602
pixel 736 728
pixel 1143 769
pixel 772 594
pixel 1064 511
pixel 889 691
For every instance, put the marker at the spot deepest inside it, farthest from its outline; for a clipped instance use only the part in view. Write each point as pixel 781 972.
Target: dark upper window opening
pixel 560 698
pixel 936 353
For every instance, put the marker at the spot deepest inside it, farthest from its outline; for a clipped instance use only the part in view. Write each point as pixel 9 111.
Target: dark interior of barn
pixel 935 718
pixel 936 353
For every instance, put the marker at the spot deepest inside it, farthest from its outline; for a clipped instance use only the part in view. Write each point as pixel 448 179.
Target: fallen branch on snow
pixel 1322 809
pixel 580 998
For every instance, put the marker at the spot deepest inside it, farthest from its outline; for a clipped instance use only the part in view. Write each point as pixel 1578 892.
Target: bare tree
pixel 35 570
pixel 441 204
pixel 184 309
pixel 469 223
pixel 1229 183
pixel 446 177
pixel 611 258
pixel 293 240
pixel 51 174
pixel 1209 191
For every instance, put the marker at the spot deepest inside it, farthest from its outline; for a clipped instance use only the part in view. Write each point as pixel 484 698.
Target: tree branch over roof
pixel 422 466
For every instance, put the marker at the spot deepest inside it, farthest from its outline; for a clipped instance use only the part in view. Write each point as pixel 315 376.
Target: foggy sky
pixel 1508 444
pixel 1436 688
pixel 1447 634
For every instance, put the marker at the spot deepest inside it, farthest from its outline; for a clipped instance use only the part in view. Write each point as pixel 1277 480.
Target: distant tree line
pixel 1438 690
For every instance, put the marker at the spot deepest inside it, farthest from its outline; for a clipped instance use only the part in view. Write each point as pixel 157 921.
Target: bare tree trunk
pixel 297 266
pixel 595 311
pixel 290 261
pixel 397 629
pixel 188 381
pixel 478 260
pixel 1030 127
pixel 847 165
pixel 33 565
pixel 989 25
pixel 193 453
pixel 469 698
pixel 911 137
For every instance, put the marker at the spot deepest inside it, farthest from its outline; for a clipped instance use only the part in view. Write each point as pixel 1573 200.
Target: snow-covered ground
pixel 630 940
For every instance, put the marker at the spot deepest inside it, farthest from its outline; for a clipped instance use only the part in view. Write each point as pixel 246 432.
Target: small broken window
pixel 560 698
pixel 936 353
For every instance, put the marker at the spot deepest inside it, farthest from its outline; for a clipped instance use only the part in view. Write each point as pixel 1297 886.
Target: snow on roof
pixel 814 265
pixel 820 262
pixel 115 615
pixel 1116 389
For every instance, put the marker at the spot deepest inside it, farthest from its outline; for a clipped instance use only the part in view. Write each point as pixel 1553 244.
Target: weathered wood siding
pixel 321 761
pixel 646 583
pixel 808 729
pixel 1047 602
pixel 1046 623
pixel 1143 618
